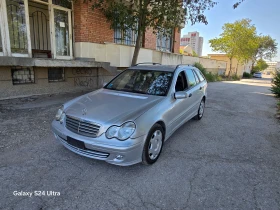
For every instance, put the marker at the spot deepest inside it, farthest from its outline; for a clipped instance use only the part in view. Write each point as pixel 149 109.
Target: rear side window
pixel 196 77
pixel 191 78
pixel 200 75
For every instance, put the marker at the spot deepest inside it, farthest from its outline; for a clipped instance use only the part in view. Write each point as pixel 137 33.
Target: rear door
pixel 194 90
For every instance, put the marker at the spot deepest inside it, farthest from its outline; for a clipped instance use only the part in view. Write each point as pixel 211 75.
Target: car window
pixel 142 81
pixel 181 82
pixel 191 78
pixel 196 77
pixel 200 75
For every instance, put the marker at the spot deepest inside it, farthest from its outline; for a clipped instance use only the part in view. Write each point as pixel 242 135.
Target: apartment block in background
pixel 194 41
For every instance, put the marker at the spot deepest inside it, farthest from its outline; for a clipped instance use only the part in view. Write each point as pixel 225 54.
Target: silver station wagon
pixel 129 119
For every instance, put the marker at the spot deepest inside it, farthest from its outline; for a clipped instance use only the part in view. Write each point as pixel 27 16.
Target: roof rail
pixel 182 65
pixel 147 63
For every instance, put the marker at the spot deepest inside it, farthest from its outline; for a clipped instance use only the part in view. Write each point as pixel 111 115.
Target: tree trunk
pixel 236 68
pixel 137 48
pixel 140 32
pixel 253 63
pixel 230 66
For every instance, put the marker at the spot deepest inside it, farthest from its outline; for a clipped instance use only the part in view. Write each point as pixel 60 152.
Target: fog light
pixel 119 157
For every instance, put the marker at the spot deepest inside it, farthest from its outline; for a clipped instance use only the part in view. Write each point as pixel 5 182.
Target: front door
pixel 61 32
pixel 181 108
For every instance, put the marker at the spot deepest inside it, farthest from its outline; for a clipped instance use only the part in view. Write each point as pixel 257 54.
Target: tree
pixel 138 15
pixel 238 40
pixel 266 49
pixel 237 4
pixel 260 66
pixel 194 54
pixel 276 84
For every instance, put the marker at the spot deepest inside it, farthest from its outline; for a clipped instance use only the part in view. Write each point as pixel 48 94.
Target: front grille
pixel 85 152
pixel 82 127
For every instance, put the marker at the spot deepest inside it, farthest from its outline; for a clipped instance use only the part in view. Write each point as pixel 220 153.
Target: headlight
pixel 122 133
pixel 59 113
pixel 62 118
pixel 112 132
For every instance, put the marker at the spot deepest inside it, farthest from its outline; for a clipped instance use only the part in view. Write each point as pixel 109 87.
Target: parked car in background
pixel 257 75
pixel 130 118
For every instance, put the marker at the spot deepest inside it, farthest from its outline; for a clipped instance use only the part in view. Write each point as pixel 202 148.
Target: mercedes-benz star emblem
pixel 84 111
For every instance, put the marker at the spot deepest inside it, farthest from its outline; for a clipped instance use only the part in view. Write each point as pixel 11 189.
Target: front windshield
pixel 142 81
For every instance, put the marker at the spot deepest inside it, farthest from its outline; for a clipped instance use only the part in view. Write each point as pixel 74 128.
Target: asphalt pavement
pixel 228 160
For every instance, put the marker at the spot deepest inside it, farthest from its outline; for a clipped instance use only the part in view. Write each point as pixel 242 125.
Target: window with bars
pixel 17 26
pixel 56 74
pixel 127 37
pixel 165 40
pixel 22 75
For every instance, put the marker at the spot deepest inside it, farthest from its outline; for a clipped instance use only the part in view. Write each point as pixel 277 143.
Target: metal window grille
pixel 126 37
pixel 56 74
pixel 22 75
pixel 164 42
pixel 17 26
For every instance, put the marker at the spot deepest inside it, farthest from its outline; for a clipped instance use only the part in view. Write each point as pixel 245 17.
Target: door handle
pixel 190 95
pixel 200 88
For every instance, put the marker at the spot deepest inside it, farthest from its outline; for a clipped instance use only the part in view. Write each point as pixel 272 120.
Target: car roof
pixel 157 67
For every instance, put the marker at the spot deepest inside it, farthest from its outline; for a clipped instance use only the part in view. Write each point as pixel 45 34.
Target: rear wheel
pixel 153 145
pixel 200 111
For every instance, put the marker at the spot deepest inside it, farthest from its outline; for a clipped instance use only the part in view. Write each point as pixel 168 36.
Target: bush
pixel 201 68
pixel 235 77
pixel 208 75
pixel 219 78
pixel 276 84
pixel 247 75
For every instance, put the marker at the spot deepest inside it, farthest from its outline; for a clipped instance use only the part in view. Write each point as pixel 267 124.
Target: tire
pixel 153 145
pixel 199 111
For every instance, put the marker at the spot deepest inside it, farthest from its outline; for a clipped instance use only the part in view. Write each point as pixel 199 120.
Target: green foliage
pixel 208 75
pixel 260 66
pixel 276 85
pixel 238 40
pixel 194 54
pixel 161 16
pixel 267 48
pixel 247 75
pixel 235 77
pixel 201 68
pixel 237 4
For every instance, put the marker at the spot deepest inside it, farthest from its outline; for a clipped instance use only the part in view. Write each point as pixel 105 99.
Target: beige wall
pixel 237 68
pixel 121 56
pixel 76 79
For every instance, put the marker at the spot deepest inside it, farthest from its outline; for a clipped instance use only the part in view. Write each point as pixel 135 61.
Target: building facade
pixel 237 68
pixel 53 46
pixel 193 40
pixel 272 66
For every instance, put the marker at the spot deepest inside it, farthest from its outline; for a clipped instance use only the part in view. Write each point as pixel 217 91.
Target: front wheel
pixel 153 145
pixel 200 111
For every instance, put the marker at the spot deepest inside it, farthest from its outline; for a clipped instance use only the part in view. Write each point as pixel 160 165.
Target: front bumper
pixel 123 153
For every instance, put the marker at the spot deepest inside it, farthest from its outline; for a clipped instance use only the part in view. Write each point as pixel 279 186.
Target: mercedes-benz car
pixel 129 119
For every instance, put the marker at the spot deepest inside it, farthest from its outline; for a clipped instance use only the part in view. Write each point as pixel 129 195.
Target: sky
pixel 264 14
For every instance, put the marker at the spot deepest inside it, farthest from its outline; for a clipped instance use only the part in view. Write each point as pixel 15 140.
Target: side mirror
pixel 180 95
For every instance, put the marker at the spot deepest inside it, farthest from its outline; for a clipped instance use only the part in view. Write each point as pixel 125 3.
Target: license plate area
pixel 75 143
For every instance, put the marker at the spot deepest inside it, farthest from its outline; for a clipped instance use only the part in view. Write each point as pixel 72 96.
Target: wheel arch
pixel 162 124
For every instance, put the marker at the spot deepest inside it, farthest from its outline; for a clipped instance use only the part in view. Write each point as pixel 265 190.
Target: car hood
pixel 111 107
